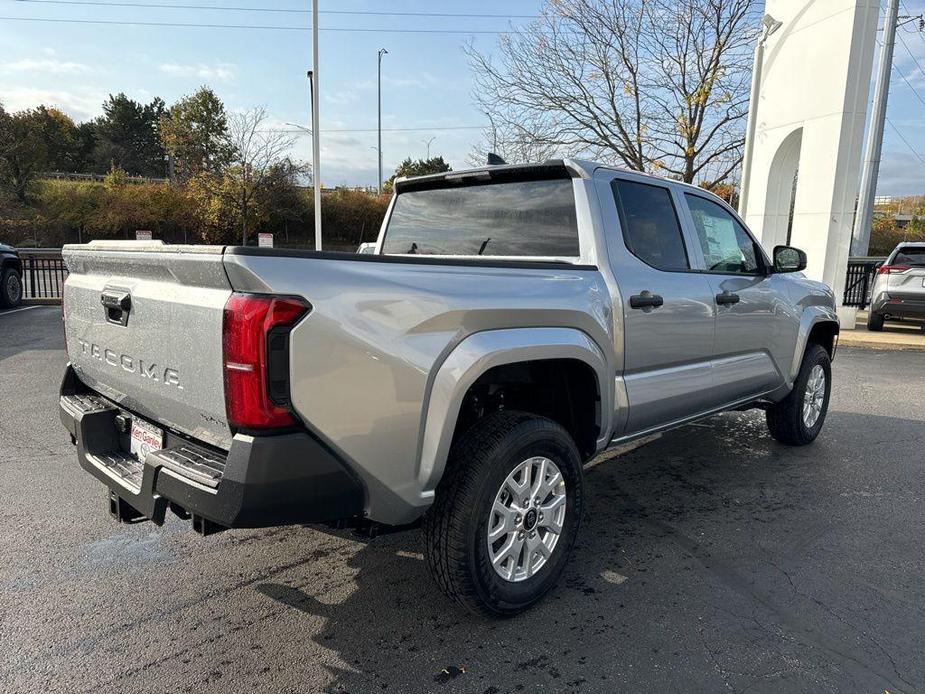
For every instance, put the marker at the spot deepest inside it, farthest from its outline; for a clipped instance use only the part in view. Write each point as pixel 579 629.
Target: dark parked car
pixel 10 277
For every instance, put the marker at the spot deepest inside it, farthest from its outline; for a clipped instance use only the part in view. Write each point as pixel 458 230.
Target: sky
pixel 426 79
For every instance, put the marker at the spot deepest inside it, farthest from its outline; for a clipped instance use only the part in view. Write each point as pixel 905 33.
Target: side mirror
pixel 789 259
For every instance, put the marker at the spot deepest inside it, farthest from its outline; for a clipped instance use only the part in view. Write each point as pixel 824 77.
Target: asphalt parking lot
pixel 711 559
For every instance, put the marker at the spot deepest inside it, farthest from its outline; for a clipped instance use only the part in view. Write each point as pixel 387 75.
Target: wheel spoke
pixel 521 535
pixel 511 550
pixel 506 524
pixel 539 480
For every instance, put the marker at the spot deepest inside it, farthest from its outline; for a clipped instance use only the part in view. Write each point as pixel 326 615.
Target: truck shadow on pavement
pixel 698 567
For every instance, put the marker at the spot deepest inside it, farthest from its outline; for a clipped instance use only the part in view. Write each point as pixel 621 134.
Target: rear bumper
pixel 261 481
pixel 899 306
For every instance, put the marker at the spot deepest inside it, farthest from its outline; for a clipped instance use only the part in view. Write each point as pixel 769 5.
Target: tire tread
pixel 446 526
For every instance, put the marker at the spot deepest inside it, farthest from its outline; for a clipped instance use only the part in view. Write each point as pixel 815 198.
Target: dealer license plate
pixel 145 438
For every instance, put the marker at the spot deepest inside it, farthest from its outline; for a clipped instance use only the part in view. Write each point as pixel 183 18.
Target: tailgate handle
pixel 117 304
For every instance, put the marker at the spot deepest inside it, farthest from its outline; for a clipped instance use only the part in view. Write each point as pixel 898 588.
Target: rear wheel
pixel 506 513
pixel 797 419
pixel 10 288
pixel 874 321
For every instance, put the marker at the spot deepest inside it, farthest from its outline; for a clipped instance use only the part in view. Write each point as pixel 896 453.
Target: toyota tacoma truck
pixel 512 323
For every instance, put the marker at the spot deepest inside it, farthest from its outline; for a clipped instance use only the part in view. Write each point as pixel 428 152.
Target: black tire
pixel 785 418
pixel 455 528
pixel 10 288
pixel 875 322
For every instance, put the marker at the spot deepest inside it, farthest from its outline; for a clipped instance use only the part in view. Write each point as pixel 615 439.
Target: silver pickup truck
pixel 513 322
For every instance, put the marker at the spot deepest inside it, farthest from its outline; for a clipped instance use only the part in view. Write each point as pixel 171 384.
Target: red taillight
pixel 893 269
pixel 249 320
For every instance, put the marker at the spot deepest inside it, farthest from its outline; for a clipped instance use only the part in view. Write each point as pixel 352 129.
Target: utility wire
pixel 909 84
pixel 902 137
pixel 186 25
pixel 279 10
pixel 390 130
pixel 911 54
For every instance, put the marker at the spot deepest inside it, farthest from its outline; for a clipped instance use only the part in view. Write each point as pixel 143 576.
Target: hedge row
pixel 61 212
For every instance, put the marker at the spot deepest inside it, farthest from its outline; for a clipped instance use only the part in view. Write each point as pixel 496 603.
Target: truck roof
pixel 576 168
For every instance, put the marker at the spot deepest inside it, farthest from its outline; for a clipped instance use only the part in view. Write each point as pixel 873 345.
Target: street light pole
pixel 768 26
pixel 316 129
pixel 864 216
pixel 427 142
pixel 382 52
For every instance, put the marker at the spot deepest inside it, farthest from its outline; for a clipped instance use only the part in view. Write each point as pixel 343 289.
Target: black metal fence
pixel 43 273
pixel 860 279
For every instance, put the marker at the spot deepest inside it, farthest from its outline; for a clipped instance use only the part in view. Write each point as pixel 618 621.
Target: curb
pixel 884 345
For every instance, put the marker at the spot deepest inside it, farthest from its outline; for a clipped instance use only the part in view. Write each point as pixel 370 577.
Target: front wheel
pixel 797 419
pixel 506 513
pixel 10 288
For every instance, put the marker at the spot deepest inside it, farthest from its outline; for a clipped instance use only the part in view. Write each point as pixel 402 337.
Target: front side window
pixel 727 247
pixel 650 226
pixel 517 218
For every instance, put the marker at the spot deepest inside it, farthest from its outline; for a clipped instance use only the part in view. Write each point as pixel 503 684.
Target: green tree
pixel 23 149
pixel 195 133
pixel 85 148
pixel 126 136
pixel 59 135
pixel 417 167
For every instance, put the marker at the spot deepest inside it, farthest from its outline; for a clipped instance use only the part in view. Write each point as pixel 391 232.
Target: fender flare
pixel 482 351
pixel 812 316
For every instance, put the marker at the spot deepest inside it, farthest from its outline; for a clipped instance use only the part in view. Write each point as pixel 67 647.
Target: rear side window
pixel 520 218
pixel 910 255
pixel 650 226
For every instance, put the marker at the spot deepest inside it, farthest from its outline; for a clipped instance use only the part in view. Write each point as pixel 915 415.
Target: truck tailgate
pixel 143 323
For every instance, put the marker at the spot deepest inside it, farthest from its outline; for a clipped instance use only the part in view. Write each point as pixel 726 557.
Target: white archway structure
pixel 780 201
pixel 809 118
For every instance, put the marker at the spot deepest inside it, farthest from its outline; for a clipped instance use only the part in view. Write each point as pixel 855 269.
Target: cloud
pixel 222 72
pixel 344 97
pixel 909 60
pixel 81 104
pixel 50 65
pixel 901 173
pixel 417 81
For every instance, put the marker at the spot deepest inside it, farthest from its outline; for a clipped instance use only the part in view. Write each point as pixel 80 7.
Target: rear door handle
pixel 727 298
pixel 646 300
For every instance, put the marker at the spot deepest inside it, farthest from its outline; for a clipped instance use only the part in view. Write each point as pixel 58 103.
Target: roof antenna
pixel 495 160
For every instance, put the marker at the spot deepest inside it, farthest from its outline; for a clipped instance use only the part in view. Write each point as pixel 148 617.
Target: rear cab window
pixel 503 218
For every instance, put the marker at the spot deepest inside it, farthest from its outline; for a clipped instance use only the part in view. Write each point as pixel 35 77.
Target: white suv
pixel 899 288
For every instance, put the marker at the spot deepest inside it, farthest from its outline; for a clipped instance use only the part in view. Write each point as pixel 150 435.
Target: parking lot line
pixel 17 310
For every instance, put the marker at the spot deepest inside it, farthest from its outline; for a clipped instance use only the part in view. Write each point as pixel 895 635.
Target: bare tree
pixel 259 156
pixel 700 78
pixel 653 85
pixel 513 144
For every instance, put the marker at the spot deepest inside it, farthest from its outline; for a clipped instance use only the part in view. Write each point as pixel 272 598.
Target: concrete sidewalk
pixel 895 335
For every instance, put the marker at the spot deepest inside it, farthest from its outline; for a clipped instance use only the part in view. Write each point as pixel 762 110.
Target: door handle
pixel 646 300
pixel 727 298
